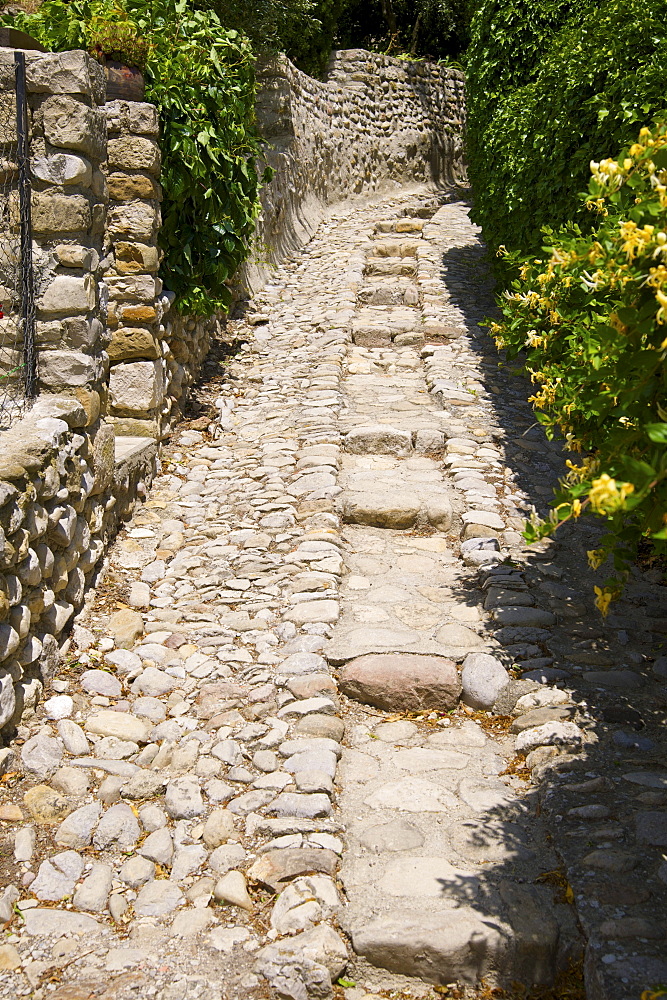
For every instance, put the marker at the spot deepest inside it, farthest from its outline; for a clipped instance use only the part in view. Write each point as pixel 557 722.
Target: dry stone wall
pixel 154 352
pixel 56 464
pixel 68 147
pixel 136 305
pixel 62 492
pixel 376 123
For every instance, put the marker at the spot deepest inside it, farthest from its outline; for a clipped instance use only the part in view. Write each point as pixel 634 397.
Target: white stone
pixel 60 706
pixel 550 734
pixel 231 888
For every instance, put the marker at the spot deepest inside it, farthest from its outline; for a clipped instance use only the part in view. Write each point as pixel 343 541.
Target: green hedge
pixel 552 86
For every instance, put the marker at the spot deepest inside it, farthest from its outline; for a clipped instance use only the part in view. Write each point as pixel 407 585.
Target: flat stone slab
pixel 276 868
pixel 459 944
pixel 397 507
pixel 48 921
pixel 412 795
pixel 402 681
pixel 357 641
pixel 379 439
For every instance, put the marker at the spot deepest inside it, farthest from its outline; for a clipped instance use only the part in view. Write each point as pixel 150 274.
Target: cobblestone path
pixel 326 715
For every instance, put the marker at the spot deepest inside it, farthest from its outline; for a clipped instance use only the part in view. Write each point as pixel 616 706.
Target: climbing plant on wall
pixel 201 77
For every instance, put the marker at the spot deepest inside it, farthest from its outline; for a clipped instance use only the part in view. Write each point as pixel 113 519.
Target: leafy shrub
pixel 552 85
pixel 591 310
pixel 201 77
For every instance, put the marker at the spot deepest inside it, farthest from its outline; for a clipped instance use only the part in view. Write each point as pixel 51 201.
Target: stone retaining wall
pixel 376 123
pixel 155 353
pixel 62 492
pixel 56 465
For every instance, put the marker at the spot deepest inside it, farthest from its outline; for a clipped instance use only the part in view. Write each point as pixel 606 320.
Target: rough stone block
pixel 69 123
pixel 66 295
pixel 72 255
pixel 126 187
pixel 7 697
pixel 140 287
pixel 387 509
pixel 71 72
pixel 402 681
pixel 133 342
pixel 134 220
pixel 458 944
pixel 135 427
pixel 137 387
pixel 133 152
pixel 138 314
pixel 53 212
pixel 135 257
pixel 132 116
pixel 103 458
pixel 379 440
pixel 64 369
pixel 483 678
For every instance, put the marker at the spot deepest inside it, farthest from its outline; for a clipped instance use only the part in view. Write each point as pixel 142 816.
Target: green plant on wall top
pixel 118 40
pixel 201 77
pixel 591 311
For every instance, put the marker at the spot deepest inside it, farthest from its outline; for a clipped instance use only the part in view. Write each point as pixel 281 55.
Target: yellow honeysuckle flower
pixel 603 600
pixel 661 315
pixel 596 557
pixel 607 496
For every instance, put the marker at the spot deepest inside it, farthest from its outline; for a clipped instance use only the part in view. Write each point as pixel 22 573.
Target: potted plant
pixel 123 53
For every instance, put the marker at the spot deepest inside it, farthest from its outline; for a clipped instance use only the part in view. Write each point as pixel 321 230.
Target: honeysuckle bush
pixel 590 311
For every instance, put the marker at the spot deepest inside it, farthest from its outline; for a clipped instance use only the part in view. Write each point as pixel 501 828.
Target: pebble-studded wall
pixel 375 123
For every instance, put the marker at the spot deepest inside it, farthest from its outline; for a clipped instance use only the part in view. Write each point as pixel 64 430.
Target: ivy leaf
pixel 657 432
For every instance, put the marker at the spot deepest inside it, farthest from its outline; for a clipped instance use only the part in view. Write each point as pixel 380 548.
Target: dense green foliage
pixel 201 77
pixel 591 310
pixel 310 41
pixel 438 29
pixel 551 86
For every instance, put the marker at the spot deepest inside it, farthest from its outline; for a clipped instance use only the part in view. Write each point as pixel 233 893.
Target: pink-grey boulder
pixel 402 682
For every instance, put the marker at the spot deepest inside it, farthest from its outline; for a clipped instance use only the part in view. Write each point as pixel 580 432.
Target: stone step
pixel 443 862
pixel 398 317
pixel 383 439
pixel 396 504
pixel 396 247
pixel 390 265
pixel 389 293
